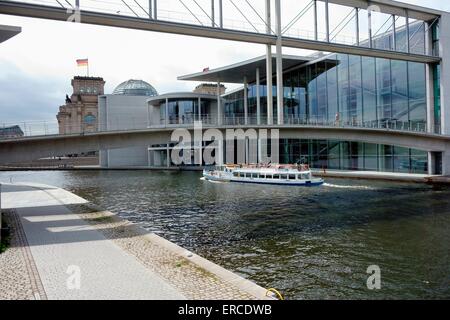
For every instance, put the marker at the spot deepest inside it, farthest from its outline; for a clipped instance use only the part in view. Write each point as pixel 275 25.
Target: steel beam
pixel 279 59
pixel 112 20
pixel 220 14
pixel 327 21
pixel 269 71
pixel 316 28
pixel 213 14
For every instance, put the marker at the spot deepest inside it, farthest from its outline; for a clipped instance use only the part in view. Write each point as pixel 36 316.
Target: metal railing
pixel 165 12
pixel 47 128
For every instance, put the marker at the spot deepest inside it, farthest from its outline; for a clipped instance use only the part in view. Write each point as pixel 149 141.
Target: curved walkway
pixel 80 253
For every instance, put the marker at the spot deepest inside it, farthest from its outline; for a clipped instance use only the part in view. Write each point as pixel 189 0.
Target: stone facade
pixel 209 88
pixel 80 113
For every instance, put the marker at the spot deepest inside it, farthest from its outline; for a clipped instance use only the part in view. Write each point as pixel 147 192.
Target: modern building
pixel 125 109
pixel 392 84
pixel 146 109
pixel 338 90
pixel 80 112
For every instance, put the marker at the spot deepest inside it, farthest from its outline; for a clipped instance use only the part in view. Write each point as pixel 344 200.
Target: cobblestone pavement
pixel 76 261
pixel 19 279
pixel 76 251
pixel 191 280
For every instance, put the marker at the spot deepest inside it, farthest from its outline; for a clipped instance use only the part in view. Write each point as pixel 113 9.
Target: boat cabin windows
pixel 235 174
pixel 305 176
pixel 292 177
pixel 276 176
pixel 284 177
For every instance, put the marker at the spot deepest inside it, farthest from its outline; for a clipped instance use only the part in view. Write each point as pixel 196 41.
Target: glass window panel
pixel 417 96
pixel 369 91
pixel 354 111
pixel 383 67
pixel 417 36
pixel 400 114
pixel 332 89
pixel 343 86
pixel 370 156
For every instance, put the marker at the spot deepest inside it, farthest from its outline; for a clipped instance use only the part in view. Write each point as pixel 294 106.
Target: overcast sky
pixel 36 66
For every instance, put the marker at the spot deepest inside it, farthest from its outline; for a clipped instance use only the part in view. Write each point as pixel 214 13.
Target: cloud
pixel 25 97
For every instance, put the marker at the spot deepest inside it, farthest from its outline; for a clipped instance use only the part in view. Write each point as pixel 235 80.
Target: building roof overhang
pixel 7 32
pixel 236 73
pixel 180 95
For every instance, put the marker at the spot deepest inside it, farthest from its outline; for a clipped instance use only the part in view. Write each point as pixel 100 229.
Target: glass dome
pixel 135 88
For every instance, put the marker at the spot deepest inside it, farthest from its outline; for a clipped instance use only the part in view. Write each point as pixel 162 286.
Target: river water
pixel 309 243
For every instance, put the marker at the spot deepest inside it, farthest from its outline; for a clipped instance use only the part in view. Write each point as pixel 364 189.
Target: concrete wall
pixel 121 112
pixel 128 157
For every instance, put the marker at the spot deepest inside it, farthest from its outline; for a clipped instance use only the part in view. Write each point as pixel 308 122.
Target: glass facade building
pixel 348 90
pixel 346 155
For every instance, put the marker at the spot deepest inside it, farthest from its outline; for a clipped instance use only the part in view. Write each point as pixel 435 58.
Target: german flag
pixel 82 62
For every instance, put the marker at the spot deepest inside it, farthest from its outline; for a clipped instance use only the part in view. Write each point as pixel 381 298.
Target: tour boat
pixel 274 174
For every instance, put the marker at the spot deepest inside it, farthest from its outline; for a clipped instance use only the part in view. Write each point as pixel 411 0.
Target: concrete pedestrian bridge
pixel 27 149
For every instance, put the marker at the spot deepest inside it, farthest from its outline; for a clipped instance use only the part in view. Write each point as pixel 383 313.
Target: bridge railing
pixel 52 127
pixel 238 15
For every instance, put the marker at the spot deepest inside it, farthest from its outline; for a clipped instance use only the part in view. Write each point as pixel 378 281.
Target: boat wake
pixel 348 187
pixel 212 181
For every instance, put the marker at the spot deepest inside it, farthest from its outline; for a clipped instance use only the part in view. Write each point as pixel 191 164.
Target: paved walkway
pixel 62 244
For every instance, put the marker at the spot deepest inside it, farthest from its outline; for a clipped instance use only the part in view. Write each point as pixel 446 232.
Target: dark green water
pixel 310 243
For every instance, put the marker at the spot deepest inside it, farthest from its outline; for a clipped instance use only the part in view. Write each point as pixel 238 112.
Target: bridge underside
pixel 33 148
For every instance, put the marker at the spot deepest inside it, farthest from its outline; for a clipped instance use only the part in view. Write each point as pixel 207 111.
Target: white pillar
pixel 219 156
pixel 150 14
pixel 166 118
pixel 269 71
pixel 280 90
pixel 357 26
pixel 220 14
pixel 316 29
pixel 258 98
pixel 213 18
pixel 394 33
pixel 245 101
pixel 199 109
pixel 408 33
pixel 327 21
pixel 444 52
pixel 369 23
pixel 168 156
pixel 429 80
pixel 219 105
pixel 430 97
pixel 431 163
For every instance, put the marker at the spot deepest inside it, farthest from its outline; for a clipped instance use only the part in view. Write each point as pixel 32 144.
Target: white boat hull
pixel 218 177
